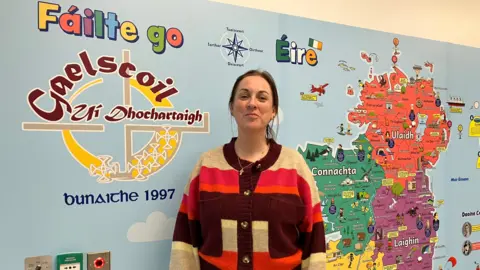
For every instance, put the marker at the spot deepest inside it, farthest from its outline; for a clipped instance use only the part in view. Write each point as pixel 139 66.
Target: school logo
pixel 90 99
pixel 234 47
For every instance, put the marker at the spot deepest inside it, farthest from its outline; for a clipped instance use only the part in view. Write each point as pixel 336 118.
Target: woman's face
pixel 252 105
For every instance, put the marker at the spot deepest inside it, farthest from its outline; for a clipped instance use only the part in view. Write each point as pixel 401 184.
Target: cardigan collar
pixel 266 162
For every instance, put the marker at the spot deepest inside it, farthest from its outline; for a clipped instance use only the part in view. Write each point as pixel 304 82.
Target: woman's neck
pixel 251 147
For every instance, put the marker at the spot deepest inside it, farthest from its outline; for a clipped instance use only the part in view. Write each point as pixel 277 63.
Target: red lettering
pixel 141 78
pixel 124 69
pixel 113 116
pixel 87 63
pixel 57 113
pixel 73 72
pixel 60 85
pixel 169 92
pixel 92 112
pixel 159 87
pixel 77 110
pixel 107 64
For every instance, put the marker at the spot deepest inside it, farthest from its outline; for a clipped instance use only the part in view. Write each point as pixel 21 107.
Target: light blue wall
pixel 38 169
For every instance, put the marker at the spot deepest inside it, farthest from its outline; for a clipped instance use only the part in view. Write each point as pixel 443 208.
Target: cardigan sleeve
pixel 312 230
pixel 186 235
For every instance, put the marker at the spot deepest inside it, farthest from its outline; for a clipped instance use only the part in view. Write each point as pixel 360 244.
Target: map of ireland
pixel 377 199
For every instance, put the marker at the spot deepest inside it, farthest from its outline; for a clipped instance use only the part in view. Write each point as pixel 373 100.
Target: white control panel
pixel 38 263
pixel 70 266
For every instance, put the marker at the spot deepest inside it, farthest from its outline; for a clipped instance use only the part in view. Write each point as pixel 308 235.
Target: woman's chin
pixel 253 127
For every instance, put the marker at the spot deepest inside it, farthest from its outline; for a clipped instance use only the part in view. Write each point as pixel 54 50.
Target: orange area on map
pixel 386 106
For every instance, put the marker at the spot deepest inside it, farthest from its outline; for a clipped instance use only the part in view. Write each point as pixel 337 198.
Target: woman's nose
pixel 252 104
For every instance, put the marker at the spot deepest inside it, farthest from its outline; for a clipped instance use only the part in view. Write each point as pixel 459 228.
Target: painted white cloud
pixel 156 228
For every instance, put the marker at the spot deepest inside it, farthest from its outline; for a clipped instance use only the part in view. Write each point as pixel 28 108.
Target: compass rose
pixel 235 47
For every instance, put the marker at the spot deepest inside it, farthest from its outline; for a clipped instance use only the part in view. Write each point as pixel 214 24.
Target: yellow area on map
pixel 328 140
pixel 474 127
pixel 456 110
pixel 387 182
pixel 309 97
pixel 478 163
pixel 338 261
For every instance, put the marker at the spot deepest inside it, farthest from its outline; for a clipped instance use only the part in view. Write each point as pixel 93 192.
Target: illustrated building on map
pixel 396 87
pixel 334 256
pixel 412 186
pixel 419 181
pixel 417 69
pixel 378 234
pixel 444 135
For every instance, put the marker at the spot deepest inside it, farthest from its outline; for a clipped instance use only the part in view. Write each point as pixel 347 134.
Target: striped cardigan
pixel 267 217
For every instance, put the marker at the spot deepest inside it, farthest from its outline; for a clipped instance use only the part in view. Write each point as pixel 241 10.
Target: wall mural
pixel 108 107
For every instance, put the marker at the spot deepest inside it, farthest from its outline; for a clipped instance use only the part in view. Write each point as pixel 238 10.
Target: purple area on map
pixel 409 221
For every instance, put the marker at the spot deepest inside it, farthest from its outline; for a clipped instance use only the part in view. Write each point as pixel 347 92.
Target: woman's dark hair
pixel 271 82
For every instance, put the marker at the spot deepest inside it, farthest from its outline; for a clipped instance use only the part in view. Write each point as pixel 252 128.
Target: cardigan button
pixel 246 259
pixel 244 224
pixel 247 192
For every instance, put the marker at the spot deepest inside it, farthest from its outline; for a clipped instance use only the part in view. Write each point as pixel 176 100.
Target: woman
pixel 251 203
